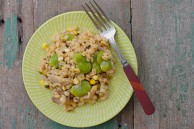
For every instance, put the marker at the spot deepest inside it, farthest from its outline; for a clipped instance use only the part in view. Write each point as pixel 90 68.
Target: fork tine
pixel 102 12
pixel 95 16
pixel 94 22
pixel 102 19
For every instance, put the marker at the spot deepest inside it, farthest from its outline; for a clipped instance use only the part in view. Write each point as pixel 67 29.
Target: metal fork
pixel 106 29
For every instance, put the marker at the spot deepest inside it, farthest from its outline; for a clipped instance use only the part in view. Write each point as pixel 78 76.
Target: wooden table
pixel 162 33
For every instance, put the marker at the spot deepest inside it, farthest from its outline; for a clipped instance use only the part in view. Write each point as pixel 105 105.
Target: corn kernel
pixel 95 77
pixel 75 81
pixel 92 81
pixel 42 82
pixel 44 45
pixel 75 32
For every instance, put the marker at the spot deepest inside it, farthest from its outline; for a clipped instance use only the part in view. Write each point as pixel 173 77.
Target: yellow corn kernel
pixel 95 77
pixel 42 82
pixel 92 81
pixel 75 32
pixel 44 45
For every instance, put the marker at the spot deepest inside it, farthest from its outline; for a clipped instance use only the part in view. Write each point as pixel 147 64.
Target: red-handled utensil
pixel 106 29
pixel 139 91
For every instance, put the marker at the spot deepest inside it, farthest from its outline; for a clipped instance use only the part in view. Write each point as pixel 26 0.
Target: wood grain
pixel 163 37
pixel 162 33
pixel 21 19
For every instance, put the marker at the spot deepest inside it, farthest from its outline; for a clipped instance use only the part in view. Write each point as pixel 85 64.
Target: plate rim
pixel 24 56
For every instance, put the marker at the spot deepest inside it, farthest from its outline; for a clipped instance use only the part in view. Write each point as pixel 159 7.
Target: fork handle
pixel 139 91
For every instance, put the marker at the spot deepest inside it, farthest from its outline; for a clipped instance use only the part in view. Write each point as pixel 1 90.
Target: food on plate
pixel 77 68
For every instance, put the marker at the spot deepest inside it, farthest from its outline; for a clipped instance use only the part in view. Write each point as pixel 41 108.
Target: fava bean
pixel 82 89
pixel 105 65
pixel 53 61
pixel 84 67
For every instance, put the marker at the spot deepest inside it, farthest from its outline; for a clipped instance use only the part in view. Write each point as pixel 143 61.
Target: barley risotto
pixel 77 68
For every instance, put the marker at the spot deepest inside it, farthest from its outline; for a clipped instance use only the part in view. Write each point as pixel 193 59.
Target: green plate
pixel 120 90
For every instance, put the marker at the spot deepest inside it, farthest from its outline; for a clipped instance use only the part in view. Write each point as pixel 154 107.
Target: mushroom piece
pixel 93 90
pixel 42 66
pixel 55 79
pixel 55 100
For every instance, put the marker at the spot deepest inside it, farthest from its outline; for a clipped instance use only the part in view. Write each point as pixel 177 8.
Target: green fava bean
pixel 99 57
pixel 84 67
pixel 67 37
pixel 97 67
pixel 105 65
pixel 77 57
pixel 53 61
pixel 81 90
pixel 95 59
pixel 70 37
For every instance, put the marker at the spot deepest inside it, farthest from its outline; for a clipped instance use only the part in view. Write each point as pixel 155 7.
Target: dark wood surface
pixel 162 33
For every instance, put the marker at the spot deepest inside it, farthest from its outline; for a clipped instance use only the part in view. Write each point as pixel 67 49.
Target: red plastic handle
pixel 139 91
